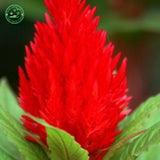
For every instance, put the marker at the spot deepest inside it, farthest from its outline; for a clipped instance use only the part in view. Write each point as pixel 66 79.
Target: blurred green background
pixel 132 25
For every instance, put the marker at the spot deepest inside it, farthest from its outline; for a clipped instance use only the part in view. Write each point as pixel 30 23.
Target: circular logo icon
pixel 14 14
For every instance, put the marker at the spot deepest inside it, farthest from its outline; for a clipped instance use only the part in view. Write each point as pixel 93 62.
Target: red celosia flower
pixel 70 80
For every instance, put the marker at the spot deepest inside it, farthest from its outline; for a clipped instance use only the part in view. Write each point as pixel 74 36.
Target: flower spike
pixel 70 80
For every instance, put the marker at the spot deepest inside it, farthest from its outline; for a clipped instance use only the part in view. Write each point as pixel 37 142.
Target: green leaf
pixel 134 123
pixel 4 156
pixel 153 119
pixel 141 144
pixel 9 100
pixel 13 131
pixel 62 145
pixel 8 149
pixel 153 152
pixel 120 146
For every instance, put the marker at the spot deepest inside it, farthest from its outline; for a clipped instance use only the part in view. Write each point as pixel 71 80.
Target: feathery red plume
pixel 71 81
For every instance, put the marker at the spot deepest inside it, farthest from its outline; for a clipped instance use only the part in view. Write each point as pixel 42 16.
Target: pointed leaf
pixel 8 149
pixel 153 119
pixel 134 123
pixel 4 156
pixel 141 144
pixel 13 131
pixel 120 146
pixel 9 100
pixel 62 145
pixel 139 117
pixel 153 152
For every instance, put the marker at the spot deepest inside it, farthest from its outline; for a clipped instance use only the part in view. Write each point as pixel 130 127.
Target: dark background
pixel 132 25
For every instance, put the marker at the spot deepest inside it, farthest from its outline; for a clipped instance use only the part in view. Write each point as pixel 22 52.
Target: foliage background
pixel 132 25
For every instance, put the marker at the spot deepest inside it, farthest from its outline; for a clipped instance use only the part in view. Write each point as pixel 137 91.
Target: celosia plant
pixel 72 83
